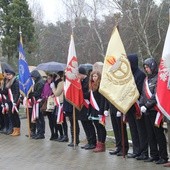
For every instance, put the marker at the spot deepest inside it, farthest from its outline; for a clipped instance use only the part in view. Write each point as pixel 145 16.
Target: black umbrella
pixel 51 66
pixel 5 66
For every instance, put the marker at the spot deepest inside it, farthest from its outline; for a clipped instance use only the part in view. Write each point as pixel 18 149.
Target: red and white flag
pixel 73 89
pixel 163 84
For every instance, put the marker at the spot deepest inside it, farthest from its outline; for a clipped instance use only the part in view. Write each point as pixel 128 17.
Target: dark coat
pixel 100 100
pixel 67 107
pixel 139 75
pixel 152 82
pixel 38 86
pixel 84 112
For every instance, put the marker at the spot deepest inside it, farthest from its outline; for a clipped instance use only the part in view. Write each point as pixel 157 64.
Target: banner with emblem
pixel 73 89
pixel 25 80
pixel 163 83
pixel 117 82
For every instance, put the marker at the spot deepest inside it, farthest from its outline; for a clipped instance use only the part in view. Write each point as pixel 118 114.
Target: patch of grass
pixel 110 143
pixel 110 133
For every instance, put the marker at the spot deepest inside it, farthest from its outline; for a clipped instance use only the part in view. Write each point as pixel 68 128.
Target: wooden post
pixel 74 126
pixel 123 136
pixel 28 118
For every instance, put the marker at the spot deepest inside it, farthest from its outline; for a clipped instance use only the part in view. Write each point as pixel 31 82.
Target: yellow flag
pixel 117 83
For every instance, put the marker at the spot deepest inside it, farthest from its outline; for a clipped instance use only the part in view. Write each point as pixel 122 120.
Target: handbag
pixel 50 104
pixel 44 106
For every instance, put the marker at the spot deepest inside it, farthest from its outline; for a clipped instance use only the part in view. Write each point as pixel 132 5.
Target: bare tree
pixel 142 19
pixel 37 10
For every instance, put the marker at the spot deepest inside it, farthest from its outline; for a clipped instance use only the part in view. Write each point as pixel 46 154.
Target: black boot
pixel 53 137
pixel 72 138
pixel 64 139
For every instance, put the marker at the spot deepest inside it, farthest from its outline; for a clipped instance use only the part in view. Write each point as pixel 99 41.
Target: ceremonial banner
pixel 25 80
pixel 73 89
pixel 163 84
pixel 117 82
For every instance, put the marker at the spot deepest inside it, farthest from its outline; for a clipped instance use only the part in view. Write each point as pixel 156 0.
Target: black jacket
pixel 100 100
pixel 152 82
pixel 84 112
pixel 38 86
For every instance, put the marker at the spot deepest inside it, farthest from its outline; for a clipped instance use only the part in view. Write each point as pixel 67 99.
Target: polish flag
pixel 163 83
pixel 73 89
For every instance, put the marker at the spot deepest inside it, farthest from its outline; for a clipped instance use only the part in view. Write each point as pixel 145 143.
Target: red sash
pixel 60 114
pixel 35 109
pixel 159 115
pixel 138 112
pixel 14 106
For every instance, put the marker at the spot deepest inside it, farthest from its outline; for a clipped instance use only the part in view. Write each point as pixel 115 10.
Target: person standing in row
pixel 96 114
pixel 115 116
pixel 156 137
pixel 47 91
pixel 11 91
pixel 58 92
pixel 84 112
pixel 35 97
pixel 135 118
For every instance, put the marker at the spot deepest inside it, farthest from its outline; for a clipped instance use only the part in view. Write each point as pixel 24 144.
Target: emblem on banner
pixel 118 70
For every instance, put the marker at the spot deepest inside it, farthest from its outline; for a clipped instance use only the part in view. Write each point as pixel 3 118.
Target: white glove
pixel 118 114
pixel 7 106
pixel 143 109
pixel 106 113
pixel 52 85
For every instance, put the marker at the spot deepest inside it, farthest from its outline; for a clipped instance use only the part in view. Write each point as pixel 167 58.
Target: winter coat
pixel 13 84
pixel 67 107
pixel 59 90
pixel 152 81
pixel 38 86
pixel 100 100
pixel 84 112
pixel 139 76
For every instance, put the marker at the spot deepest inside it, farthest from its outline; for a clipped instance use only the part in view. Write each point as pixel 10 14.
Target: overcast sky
pixel 53 9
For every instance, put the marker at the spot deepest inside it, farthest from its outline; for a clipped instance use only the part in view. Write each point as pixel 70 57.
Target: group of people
pixel 149 141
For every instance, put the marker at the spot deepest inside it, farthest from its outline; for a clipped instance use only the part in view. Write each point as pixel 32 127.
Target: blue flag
pixel 25 80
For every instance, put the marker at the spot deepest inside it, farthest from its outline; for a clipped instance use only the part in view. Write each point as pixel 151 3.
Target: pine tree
pixel 13 15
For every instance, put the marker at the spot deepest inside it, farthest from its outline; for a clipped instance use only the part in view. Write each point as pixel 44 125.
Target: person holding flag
pixel 135 118
pixel 163 83
pixel 96 110
pixel 73 89
pixel 83 114
pixel 25 82
pixel 153 117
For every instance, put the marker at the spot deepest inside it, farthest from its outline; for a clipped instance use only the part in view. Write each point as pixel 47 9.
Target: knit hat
pixel 9 71
pixel 82 70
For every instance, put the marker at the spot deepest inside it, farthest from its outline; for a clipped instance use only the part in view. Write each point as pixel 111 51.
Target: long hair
pixel 94 85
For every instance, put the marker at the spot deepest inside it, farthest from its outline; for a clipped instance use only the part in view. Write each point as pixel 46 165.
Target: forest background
pixel 142 25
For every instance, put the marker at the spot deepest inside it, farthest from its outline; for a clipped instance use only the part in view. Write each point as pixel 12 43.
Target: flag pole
pixel 27 110
pixel 123 136
pixel 74 126
pixel 28 118
pixel 74 110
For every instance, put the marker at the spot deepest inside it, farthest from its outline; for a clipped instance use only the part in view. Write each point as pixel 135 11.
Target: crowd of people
pixel 149 141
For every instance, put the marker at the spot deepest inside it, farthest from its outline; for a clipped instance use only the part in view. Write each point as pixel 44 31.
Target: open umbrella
pixel 5 66
pixel 51 66
pixel 42 73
